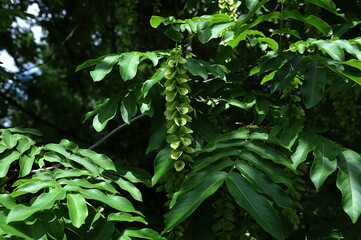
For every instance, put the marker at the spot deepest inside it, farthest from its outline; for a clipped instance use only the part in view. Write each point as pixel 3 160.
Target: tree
pixel 253 107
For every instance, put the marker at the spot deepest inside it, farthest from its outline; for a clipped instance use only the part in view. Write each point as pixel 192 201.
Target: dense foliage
pixel 243 120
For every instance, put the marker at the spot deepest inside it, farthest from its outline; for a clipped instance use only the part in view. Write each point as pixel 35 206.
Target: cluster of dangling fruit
pixel 228 7
pixel 177 110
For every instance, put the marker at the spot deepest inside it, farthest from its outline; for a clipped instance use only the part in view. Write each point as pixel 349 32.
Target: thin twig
pixel 97 144
pixel 112 133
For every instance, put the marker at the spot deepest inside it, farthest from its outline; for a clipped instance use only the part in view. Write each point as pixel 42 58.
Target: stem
pixel 280 40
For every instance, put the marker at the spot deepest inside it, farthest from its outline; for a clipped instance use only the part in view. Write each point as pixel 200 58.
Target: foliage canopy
pixel 243 121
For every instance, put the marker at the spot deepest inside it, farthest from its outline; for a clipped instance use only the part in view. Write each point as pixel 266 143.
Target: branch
pixel 112 133
pixel 39 119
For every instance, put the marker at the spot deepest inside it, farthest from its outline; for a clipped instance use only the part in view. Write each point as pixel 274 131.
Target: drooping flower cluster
pixel 177 110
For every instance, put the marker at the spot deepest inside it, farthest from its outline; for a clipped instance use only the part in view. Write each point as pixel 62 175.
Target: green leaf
pixel 147 85
pixel 203 162
pixel 103 185
pixel 100 159
pixel 213 146
pixel 268 152
pixel 273 171
pixel 326 4
pixel 144 233
pixel 324 163
pixel 128 107
pixel 45 201
pixel 103 67
pixel 10 230
pixel 196 68
pixel 162 164
pixel 116 202
pixel 33 187
pixel 256 204
pixel 315 80
pixel 57 148
pixel 96 110
pixel 7 201
pixel 157 139
pixel 70 145
pixel 318 23
pixel 287 73
pixel 26 164
pixel 349 182
pixel 128 65
pixel 333 48
pixel 125 217
pixel 60 173
pixel 261 109
pixel 238 104
pixel 173 35
pixel 6 160
pixel 127 186
pixel 89 63
pixel 87 163
pixel 286 31
pixel 194 180
pixel 152 57
pixel 204 128
pixel 135 175
pixel 273 61
pixel 155 21
pixel 25 130
pixel 102 230
pixel 269 41
pixel 191 200
pixel 306 143
pixel 214 32
pixel 289 134
pixel 78 210
pixel 265 185
pixel 106 113
pixel 8 139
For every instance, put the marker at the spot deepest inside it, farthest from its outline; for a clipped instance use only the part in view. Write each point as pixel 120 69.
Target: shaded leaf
pixel 191 200
pixel 128 107
pixel 162 164
pixel 196 68
pixel 45 201
pixel 268 152
pixel 173 34
pixel 254 203
pixel 263 184
pixel 195 179
pixel 324 163
pixel 318 23
pixel 106 113
pixel 158 75
pixel 306 143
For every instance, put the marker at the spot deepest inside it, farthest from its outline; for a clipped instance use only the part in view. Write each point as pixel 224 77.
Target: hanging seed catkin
pixel 177 110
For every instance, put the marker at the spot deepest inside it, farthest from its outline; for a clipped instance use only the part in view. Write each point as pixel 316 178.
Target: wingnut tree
pixel 239 153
